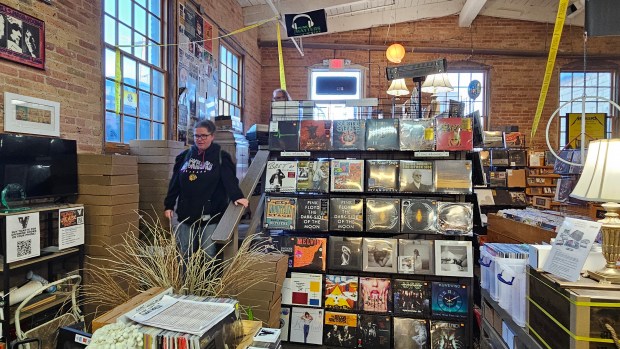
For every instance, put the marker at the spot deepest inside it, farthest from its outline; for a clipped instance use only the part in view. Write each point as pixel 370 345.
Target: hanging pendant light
pixel 395 53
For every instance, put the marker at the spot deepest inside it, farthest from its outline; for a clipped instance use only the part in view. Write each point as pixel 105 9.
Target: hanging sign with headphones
pixel 309 23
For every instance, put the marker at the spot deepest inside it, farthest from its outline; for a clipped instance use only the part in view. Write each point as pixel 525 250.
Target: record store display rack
pixel 372 214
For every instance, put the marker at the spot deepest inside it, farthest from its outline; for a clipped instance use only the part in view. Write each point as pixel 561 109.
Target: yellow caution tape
pixel 280 59
pixel 118 76
pixel 553 51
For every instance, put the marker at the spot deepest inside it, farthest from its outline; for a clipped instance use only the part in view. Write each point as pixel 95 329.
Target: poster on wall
pixel 22 38
pixel 595 128
pixel 23 237
pixel 70 227
pixel 197 72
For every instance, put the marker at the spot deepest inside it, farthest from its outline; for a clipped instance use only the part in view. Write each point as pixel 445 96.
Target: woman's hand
pixel 169 214
pixel 243 202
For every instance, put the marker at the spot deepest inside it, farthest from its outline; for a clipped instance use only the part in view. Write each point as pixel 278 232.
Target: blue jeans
pixel 188 236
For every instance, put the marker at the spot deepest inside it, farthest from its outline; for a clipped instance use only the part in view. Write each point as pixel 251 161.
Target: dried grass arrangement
pixel 148 257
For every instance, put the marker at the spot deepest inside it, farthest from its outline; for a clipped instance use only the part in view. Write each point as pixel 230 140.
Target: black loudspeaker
pixel 602 17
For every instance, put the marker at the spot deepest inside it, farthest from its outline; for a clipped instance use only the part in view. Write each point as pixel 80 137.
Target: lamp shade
pixel 436 83
pixel 398 88
pixel 395 53
pixel 600 178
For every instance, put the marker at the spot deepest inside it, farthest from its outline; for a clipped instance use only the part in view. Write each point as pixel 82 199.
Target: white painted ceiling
pixel 345 15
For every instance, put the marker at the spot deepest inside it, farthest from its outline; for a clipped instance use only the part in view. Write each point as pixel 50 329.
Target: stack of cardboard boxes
pixel 108 188
pixel 265 297
pixel 155 165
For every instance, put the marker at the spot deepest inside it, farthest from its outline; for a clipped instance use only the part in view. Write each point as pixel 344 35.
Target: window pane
pixel 158 109
pixel 591 79
pixel 139 50
pixel 223 54
pixel 130 103
pixel 110 63
pixel 591 107
pixel 565 79
pixel 605 92
pixel 145 105
pixel 110 7
pixel 124 37
pixel 124 11
pixel 604 79
pixel 154 54
pixel 141 2
pixel 110 95
pixel 158 131
pixel 145 129
pixel 139 17
pixel 155 7
pixel 154 29
pixel 129 71
pixel 112 127
pixel 229 78
pixel 229 56
pixel 145 77
pixel 577 91
pixel 235 80
pixel 235 93
pixel 158 83
pixel 129 129
pixel 109 30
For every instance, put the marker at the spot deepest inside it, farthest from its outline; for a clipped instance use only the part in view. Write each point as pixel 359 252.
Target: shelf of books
pixel 372 214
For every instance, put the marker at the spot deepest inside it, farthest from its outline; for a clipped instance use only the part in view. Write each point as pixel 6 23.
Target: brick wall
pixel 73 68
pixel 515 81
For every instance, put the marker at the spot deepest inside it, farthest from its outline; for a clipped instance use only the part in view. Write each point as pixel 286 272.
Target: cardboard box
pixel 156 159
pixel 141 151
pixel 161 174
pixel 97 230
pixel 105 169
pixel 146 196
pixel 156 144
pixel 148 190
pixel 487 311
pixel 100 159
pixel 515 178
pixel 109 210
pixel 89 189
pixel 108 199
pixel 500 229
pixel 271 262
pixel 259 295
pixel 105 238
pixel 154 182
pixel 111 316
pixel 108 180
pixel 112 219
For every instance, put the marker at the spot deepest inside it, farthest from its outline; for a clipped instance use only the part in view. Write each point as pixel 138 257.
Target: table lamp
pixel 599 181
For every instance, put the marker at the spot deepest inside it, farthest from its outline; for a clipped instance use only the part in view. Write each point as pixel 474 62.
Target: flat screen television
pixel 42 167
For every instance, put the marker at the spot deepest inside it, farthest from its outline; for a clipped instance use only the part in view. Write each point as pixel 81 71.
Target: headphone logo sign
pixel 306 23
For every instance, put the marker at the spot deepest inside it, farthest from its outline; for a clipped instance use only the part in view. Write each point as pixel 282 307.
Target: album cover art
pixel 347 175
pixel 576 158
pixel 382 134
pixel 346 214
pixel 450 300
pixel 485 158
pixel 380 255
pixel 411 333
pixel 493 139
pixel 415 256
pixel 375 294
pixel 419 215
pixel 455 218
pixel 281 176
pixel 341 292
pixel 310 253
pixel 497 179
pixel 315 134
pixel 564 188
pixel 484 197
pixel 518 198
pixel 383 215
pixel 374 331
pixel 280 212
pixel 515 140
pixel 416 176
pixel 517 157
pixel 502 197
pixel 306 325
pixel 286 245
pixel 454 258
pixel 313 176
pixel 454 134
pixel 561 167
pixel 285 320
pixel 418 134
pixel 345 253
pixel 382 175
pixel 349 135
pixel 499 157
pixel 340 329
pixel 312 215
pixel 284 135
pixel 448 335
pixel 453 176
pixel 412 297
pixel 306 289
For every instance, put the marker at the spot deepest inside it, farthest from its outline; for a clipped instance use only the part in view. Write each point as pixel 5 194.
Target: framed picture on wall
pixel 22 38
pixel 23 114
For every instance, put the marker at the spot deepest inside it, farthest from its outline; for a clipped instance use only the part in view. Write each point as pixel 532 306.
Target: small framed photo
pixel 25 114
pixel 415 257
pixel 380 255
pixel 454 258
pixel 24 38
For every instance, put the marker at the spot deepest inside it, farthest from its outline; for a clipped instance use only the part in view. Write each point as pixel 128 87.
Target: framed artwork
pixel 454 258
pixel 25 114
pixel 22 38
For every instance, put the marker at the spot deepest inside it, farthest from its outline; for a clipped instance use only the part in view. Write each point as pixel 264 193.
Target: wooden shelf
pixel 541 185
pixel 35 260
pixel 547 195
pixel 540 166
pixel 40 208
pixel 61 297
pixel 545 175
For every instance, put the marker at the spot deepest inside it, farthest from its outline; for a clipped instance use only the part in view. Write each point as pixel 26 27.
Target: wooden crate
pixel 506 230
pixel 572 315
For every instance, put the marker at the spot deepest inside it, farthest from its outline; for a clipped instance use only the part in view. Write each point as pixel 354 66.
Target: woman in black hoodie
pixel 204 181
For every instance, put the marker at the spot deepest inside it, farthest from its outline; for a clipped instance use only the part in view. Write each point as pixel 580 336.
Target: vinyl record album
pixel 312 214
pixel 346 214
pixel 448 335
pixel 411 333
pixel 412 297
pixel 341 292
pixel 349 135
pixel 417 134
pixel 455 218
pixel 374 331
pixel 382 175
pixel 382 134
pixel 345 253
pixel 449 300
pixel 418 215
pixel 383 215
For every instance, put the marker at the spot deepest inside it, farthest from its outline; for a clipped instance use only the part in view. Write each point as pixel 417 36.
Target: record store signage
pixel 309 23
